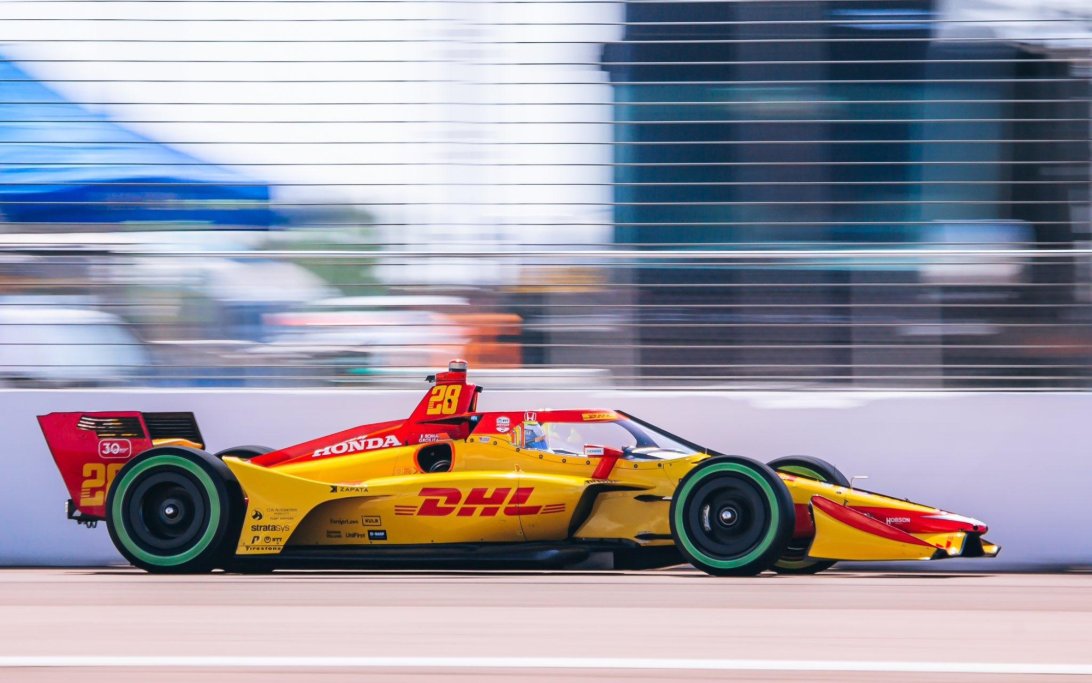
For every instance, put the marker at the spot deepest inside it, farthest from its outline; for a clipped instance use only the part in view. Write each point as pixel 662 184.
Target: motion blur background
pixel 862 194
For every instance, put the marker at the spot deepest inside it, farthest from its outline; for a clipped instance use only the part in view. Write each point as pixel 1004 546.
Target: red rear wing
pixel 90 448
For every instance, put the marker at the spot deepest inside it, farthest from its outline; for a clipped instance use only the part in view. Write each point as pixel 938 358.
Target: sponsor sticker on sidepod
pixel 357 445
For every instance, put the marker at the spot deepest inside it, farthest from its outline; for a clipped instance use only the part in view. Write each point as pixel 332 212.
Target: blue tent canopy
pixel 60 163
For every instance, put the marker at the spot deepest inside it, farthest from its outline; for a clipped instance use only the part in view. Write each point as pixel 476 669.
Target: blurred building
pixel 822 126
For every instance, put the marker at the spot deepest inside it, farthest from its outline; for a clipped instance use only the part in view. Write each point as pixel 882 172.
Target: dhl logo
pixel 441 502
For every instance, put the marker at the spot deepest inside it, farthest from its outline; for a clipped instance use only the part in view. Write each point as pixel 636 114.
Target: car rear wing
pixel 450 395
pixel 90 449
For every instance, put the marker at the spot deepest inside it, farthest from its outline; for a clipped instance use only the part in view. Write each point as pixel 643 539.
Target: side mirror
pixel 854 478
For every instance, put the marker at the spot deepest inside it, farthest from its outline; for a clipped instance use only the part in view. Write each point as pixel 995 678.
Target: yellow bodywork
pixel 377 498
pixel 496 492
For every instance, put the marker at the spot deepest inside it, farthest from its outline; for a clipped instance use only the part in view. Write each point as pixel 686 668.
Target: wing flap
pixel 842 533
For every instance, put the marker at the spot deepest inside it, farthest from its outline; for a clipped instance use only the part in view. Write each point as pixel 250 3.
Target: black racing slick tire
pixel 795 559
pixel 731 516
pixel 243 452
pixel 175 510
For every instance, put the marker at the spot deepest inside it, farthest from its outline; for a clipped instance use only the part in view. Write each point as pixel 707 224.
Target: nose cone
pixel 946 521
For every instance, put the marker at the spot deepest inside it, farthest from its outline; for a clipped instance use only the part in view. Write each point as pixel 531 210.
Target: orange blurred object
pixel 493 339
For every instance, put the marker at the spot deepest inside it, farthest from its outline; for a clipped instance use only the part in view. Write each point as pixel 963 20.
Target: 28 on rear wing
pixel 91 448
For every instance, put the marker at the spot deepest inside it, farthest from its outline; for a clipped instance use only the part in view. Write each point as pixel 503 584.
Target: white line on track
pixel 319 662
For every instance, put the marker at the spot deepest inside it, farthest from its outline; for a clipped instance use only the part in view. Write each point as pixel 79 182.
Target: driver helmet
pixel 534 437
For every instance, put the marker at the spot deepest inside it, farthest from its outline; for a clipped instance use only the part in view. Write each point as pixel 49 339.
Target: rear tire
pixel 795 559
pixel 731 516
pixel 175 509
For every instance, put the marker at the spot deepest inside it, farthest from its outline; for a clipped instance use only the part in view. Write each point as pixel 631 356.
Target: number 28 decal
pixel 97 478
pixel 444 399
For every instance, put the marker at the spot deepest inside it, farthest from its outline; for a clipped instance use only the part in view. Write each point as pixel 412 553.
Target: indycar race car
pixel 454 487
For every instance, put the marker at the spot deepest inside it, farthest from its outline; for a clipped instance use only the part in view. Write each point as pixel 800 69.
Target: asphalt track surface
pixel 122 625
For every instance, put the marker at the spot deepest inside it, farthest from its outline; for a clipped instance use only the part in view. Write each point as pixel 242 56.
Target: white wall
pixel 1020 462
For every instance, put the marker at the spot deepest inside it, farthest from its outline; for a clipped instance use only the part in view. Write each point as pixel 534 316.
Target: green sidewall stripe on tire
pixel 117 512
pixel 771 499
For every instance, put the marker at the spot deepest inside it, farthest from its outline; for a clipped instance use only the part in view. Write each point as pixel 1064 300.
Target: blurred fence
pixel 727 318
pixel 570 193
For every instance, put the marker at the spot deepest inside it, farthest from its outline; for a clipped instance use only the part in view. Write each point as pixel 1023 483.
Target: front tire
pixel 795 559
pixel 174 509
pixel 731 516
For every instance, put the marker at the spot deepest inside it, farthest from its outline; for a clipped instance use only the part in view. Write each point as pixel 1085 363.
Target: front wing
pixel 850 524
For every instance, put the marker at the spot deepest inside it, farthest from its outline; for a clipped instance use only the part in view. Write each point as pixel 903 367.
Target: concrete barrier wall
pixel 1020 462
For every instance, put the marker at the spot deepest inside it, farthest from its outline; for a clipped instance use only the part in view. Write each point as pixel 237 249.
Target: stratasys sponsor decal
pixel 358 444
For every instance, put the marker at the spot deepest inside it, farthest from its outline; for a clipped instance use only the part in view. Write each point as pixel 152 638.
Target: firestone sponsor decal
pixel 358 444
pixel 503 423
pixel 115 448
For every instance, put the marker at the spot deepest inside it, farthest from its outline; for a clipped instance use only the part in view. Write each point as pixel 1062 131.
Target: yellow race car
pixel 451 486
